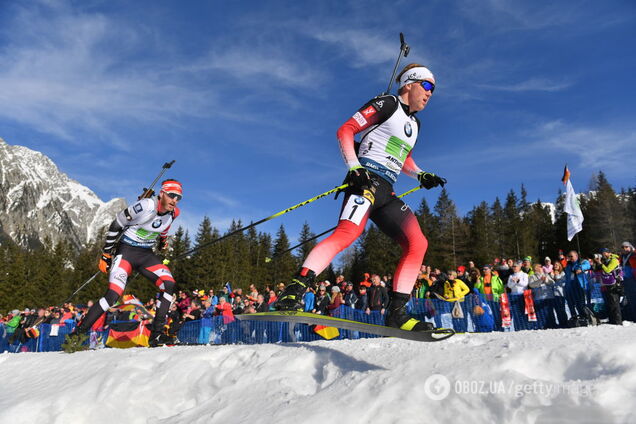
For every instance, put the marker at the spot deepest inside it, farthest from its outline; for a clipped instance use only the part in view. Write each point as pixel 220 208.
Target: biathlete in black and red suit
pixel 139 228
pixel 388 131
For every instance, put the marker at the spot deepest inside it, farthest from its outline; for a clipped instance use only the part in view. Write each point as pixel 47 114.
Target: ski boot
pixel 76 340
pixel 397 317
pixel 291 298
pixel 159 338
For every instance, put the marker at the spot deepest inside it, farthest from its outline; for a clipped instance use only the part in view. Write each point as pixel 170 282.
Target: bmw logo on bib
pixel 407 129
pixel 359 200
pixel 156 223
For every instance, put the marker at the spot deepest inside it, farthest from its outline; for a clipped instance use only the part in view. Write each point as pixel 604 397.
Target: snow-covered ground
pixel 585 375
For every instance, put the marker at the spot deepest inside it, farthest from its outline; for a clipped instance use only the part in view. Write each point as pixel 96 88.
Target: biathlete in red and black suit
pixel 388 131
pixel 139 228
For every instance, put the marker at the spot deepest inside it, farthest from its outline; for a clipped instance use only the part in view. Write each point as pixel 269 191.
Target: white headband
pixel 420 73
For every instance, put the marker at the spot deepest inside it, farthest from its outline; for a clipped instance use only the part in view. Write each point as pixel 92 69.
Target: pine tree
pixel 379 253
pixel 630 209
pixel 543 232
pixel 203 260
pixel 526 234
pixel 480 241
pixel 497 220
pixel 510 229
pixel 285 264
pixel 306 246
pixel 264 264
pixel 606 223
pixel 179 245
pixel 449 229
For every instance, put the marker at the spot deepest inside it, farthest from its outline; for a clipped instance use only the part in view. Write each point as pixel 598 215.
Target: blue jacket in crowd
pixel 582 278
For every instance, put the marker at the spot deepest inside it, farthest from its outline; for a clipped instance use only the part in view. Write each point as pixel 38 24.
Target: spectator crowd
pixel 560 291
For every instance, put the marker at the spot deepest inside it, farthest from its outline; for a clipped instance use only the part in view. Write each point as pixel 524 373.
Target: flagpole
pixel 578 244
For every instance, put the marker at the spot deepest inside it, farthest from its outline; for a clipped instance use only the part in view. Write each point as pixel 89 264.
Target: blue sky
pixel 247 96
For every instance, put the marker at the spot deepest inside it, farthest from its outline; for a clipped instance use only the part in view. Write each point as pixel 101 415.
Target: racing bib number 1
pixel 355 209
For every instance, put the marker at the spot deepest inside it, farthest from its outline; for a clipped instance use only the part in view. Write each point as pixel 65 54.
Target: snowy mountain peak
pixel 38 201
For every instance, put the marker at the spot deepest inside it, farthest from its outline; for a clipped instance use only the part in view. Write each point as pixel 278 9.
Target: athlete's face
pixel 416 96
pixel 167 201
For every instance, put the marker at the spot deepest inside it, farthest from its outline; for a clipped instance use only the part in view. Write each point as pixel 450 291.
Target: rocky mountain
pixel 38 201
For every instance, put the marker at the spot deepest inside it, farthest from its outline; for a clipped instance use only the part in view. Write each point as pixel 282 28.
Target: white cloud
pixel 362 47
pixel 532 84
pixel 602 148
pixel 66 71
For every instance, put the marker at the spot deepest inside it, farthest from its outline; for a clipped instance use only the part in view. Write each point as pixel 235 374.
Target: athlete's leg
pixel 119 272
pixel 397 221
pixel 153 269
pixel 353 218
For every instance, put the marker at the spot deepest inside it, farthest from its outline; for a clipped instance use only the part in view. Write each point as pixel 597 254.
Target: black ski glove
pixel 358 178
pixel 429 180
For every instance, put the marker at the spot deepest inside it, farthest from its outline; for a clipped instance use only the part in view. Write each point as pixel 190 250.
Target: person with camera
pixel 607 268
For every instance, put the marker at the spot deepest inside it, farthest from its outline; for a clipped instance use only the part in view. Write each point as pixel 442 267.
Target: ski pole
pixel 146 193
pixel 413 190
pixel 283 212
pixel 404 50
pixel 82 286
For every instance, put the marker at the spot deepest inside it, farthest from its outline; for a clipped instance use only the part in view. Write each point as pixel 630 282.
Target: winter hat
pixel 335 289
pixel 461 269
pixel 603 250
pixel 528 258
pixel 488 266
pixel 627 244
pixel 547 258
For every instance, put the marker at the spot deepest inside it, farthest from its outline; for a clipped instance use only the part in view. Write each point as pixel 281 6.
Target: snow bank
pixel 579 376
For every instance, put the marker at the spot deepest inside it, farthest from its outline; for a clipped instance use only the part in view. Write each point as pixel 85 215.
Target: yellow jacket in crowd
pixel 455 290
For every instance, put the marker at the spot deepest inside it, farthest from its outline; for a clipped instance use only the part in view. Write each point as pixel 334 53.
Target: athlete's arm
pixel 410 168
pixel 111 236
pixel 138 213
pixel 163 237
pixel 372 113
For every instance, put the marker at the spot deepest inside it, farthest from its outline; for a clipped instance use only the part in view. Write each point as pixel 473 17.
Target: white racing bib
pixel 355 209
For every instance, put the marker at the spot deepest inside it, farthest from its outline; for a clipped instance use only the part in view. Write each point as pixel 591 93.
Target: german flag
pixel 123 335
pixel 326 332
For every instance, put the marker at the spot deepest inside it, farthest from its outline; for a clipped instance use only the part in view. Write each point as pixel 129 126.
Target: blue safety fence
pixel 474 313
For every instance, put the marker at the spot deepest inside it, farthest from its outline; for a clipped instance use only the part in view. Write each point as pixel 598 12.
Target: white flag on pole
pixel 572 207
